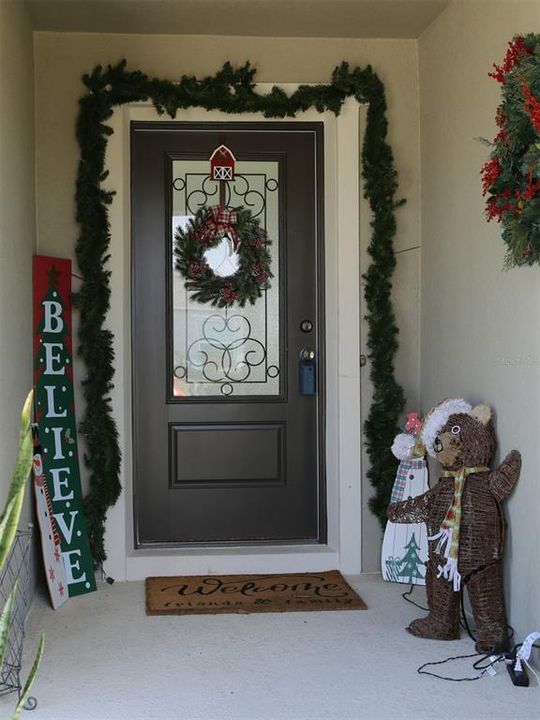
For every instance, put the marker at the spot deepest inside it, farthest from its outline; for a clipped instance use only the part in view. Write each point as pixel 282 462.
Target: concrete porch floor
pixel 106 660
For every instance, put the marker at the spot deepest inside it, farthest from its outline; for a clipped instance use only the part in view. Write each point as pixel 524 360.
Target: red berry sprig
pixel 531 106
pixel 517 49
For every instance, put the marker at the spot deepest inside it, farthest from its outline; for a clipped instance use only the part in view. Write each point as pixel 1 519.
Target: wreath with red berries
pixel 248 256
pixel 511 176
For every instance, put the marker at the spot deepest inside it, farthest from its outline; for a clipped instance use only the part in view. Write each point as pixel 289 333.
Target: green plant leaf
pixel 10 519
pixel 23 465
pixel 25 415
pixel 5 621
pixel 9 524
pixel 25 436
pixel 30 679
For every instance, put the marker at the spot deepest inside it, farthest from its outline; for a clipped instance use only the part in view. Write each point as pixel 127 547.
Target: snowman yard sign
pixel 405 547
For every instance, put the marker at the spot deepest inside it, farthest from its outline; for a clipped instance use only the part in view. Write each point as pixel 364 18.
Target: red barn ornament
pixel 222 163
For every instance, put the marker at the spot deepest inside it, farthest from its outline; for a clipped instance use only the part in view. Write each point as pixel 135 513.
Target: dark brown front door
pixel 227 447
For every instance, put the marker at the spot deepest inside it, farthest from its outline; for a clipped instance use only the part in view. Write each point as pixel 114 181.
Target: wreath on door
pixel 223 254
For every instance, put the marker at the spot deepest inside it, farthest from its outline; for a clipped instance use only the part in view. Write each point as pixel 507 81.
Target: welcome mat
pixel 250 593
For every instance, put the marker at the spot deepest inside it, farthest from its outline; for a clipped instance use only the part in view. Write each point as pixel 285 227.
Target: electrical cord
pixel 479 664
pixel 527 663
pixel 463 620
pixel 407 597
pixel 511 658
pixel 514 650
pixel 516 659
pixel 422 671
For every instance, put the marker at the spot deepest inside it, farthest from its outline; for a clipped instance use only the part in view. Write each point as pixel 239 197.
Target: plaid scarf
pixel 451 525
pixel 403 472
pixel 219 222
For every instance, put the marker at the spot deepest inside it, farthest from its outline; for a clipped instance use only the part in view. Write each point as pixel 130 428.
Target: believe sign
pixel 55 416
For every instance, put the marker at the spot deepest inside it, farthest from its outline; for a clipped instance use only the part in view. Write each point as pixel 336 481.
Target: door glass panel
pixel 226 351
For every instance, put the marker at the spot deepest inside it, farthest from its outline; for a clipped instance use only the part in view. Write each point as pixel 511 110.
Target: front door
pixel 228 434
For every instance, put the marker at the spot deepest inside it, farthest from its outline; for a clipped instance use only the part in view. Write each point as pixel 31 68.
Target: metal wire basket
pixel 16 570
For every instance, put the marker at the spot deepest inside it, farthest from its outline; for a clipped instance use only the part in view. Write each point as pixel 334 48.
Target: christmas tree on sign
pixel 411 562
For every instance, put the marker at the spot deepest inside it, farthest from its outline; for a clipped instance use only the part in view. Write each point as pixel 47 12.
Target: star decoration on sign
pixel 53 274
pixel 61 589
pixel 57 554
pixel 52 574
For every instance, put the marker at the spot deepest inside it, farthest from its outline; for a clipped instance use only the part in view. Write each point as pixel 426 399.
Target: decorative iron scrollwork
pixel 240 187
pixel 226 351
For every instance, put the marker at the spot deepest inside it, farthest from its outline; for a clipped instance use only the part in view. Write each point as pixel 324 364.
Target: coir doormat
pixel 250 593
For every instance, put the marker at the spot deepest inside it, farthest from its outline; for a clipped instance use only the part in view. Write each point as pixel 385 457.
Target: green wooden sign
pixel 55 415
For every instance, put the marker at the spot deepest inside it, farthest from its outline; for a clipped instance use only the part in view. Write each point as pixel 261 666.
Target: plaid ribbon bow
pixel 451 525
pixel 218 223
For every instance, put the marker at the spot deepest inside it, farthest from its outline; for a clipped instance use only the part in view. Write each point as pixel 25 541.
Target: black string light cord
pixel 407 597
pixel 463 622
pixel 422 671
pixel 479 664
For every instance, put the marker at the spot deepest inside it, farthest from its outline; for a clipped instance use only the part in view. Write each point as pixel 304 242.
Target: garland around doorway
pixel 230 90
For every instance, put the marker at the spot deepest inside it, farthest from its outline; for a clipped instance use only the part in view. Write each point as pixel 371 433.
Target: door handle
pixel 307 372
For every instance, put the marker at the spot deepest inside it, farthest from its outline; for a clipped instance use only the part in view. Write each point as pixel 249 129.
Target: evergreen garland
pixel 511 177
pixel 232 91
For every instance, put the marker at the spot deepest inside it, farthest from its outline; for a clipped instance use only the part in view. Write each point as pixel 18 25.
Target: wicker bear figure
pixel 465 523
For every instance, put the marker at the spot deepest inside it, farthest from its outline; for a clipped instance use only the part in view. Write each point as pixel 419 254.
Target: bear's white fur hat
pixel 403 445
pixel 437 418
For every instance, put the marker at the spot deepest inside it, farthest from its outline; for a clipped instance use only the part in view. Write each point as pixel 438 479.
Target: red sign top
pixel 222 162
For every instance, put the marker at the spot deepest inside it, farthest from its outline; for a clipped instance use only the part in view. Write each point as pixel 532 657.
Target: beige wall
pixel 61 58
pixel 17 226
pixel 480 325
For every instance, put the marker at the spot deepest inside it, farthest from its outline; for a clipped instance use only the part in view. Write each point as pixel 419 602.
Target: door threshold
pixel 228 549
pixel 231 560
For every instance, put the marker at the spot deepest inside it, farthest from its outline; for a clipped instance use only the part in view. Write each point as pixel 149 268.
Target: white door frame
pixel 343 416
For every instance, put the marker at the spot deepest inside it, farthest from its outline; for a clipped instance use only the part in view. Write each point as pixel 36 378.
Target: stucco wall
pixel 480 324
pixel 61 58
pixel 17 227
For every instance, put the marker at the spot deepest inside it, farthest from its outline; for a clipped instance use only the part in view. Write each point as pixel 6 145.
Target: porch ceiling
pixel 269 18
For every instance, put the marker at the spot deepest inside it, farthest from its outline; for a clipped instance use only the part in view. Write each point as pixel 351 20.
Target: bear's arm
pixel 503 479
pixel 413 510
